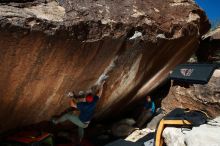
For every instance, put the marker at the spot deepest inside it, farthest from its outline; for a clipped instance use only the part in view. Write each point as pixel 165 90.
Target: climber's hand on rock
pixel 71 94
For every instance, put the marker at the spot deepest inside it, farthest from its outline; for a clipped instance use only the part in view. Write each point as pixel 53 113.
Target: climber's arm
pixel 100 89
pixel 72 103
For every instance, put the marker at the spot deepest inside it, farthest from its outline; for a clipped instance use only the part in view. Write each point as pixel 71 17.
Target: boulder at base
pixel 195 97
pixel 204 135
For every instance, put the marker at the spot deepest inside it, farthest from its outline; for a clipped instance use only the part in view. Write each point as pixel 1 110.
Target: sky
pixel 212 9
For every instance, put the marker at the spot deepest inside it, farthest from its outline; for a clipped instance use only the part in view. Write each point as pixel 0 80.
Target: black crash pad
pixel 193 73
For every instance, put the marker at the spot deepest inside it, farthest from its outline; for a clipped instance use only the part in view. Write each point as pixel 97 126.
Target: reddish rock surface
pixel 196 97
pixel 48 48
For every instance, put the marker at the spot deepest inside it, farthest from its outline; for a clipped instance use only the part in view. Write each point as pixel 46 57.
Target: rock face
pixel 209 48
pixel 48 48
pixel 196 97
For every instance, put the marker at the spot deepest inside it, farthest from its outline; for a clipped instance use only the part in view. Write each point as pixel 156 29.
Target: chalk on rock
pixel 137 34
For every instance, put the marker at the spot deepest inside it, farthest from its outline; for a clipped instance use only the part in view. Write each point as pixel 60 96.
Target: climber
pixel 83 106
pixel 147 112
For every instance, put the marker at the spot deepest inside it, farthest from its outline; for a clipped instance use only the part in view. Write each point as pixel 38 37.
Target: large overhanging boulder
pixel 48 48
